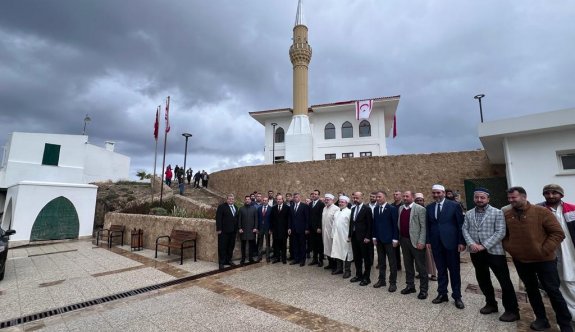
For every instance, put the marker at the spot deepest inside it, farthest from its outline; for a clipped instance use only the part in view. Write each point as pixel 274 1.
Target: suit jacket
pixel 264 220
pixel 489 232
pixel 248 221
pixel 315 215
pixel 362 227
pixel 417 224
pixel 385 228
pixel 279 221
pixel 300 218
pixel 226 222
pixel 446 228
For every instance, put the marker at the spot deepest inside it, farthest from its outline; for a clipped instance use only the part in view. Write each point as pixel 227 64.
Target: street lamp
pixel 274 142
pixel 478 97
pixel 186 135
pixel 87 119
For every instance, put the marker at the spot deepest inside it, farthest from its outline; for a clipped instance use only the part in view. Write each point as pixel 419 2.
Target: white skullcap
pixel 344 198
pixel 329 196
pixel 438 187
pixel 419 195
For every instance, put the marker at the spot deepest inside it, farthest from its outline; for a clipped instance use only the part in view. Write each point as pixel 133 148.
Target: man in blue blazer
pixel 299 228
pixel 264 213
pixel 385 237
pixel 445 239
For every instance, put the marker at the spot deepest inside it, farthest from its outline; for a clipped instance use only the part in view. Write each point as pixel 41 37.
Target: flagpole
pixel 165 143
pixel 156 151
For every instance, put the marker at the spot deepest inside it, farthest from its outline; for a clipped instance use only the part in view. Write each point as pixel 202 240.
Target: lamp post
pixel 274 142
pixel 87 119
pixel 186 135
pixel 478 97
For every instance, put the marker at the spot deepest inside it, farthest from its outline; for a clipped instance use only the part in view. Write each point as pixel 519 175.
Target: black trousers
pixel 299 247
pixel 398 256
pixel 280 247
pixel 261 237
pixel 447 260
pixel 482 262
pixel 363 257
pixel 547 274
pixel 413 256
pixel 317 245
pixel 386 250
pixel 226 244
pixel 251 244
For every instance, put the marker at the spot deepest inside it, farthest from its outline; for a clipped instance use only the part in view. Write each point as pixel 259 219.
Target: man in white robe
pixel 327 218
pixel 341 246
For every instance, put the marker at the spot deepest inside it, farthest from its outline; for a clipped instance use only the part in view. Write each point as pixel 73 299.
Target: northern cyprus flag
pixel 363 109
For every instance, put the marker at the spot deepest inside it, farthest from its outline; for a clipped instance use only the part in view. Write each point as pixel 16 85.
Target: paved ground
pixel 256 297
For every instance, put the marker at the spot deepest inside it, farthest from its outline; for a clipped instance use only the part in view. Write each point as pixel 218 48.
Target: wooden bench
pixel 110 233
pixel 178 239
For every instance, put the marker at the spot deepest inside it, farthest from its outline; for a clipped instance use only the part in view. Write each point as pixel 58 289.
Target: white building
pixel 44 190
pixel 536 149
pixel 335 131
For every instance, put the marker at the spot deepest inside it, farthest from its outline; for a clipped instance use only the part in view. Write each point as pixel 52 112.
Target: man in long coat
pixel 248 229
pixel 341 247
pixel 327 219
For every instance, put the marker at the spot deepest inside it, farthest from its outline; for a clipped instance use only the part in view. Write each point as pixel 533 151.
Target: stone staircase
pixel 203 196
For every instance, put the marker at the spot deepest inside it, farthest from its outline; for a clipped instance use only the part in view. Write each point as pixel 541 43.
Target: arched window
pixel 346 130
pixel 329 131
pixel 364 129
pixel 280 135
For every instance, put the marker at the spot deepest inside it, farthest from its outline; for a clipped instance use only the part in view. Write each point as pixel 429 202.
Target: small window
pixel 329 131
pixel 347 155
pixel 329 155
pixel 364 129
pixel 567 160
pixel 51 154
pixel 279 160
pixel 346 130
pixel 365 154
pixel 280 135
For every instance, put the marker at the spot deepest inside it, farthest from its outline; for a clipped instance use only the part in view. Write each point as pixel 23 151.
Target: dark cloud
pixel 219 60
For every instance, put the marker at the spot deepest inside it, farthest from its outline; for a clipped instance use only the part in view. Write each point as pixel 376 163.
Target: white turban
pixel 329 196
pixel 438 187
pixel 344 198
pixel 419 195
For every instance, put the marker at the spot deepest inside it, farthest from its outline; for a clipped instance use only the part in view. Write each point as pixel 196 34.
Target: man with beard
pixel 533 236
pixel 327 220
pixel 341 250
pixel 361 234
pixel 483 230
pixel 248 229
pixel 315 236
pixel 385 237
pixel 565 214
pixel 279 222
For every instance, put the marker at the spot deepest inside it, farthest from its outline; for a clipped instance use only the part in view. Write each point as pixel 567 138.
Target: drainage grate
pixel 109 298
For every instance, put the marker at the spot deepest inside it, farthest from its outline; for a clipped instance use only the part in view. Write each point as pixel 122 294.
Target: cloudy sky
pixel 220 59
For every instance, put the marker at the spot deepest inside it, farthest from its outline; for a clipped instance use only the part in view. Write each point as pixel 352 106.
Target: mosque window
pixel 51 154
pixel 280 135
pixel 364 129
pixel 329 156
pixel 346 130
pixel 347 155
pixel 329 131
pixel 365 154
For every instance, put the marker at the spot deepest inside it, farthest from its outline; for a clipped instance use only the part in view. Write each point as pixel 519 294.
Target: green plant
pixel 179 212
pixel 159 211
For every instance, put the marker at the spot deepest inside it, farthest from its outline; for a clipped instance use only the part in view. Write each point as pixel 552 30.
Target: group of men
pixel 181 175
pixel 539 238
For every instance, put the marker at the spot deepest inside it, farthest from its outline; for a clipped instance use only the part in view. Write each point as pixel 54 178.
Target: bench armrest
pixel 159 237
pixel 184 241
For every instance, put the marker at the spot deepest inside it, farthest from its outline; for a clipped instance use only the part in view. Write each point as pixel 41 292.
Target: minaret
pixel 298 139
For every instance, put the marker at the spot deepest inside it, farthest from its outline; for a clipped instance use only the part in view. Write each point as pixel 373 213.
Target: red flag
pixel 157 123
pixel 168 115
pixel 394 127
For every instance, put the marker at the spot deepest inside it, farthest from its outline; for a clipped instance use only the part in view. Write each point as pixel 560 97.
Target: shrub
pixel 159 211
pixel 179 212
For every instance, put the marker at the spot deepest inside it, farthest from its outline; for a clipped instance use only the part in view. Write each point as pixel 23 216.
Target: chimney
pixel 110 146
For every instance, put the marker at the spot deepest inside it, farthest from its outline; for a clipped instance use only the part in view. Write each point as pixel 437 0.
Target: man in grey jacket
pixel 248 229
pixel 483 230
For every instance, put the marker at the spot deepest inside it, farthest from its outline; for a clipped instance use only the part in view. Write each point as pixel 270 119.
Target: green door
pixel 58 220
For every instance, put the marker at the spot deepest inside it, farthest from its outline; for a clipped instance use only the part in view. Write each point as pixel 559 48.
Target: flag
pixel 157 123
pixel 394 127
pixel 168 115
pixel 363 109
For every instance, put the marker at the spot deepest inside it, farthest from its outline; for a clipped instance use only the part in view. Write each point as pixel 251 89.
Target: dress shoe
pixel 440 299
pixel 251 261
pixel 509 317
pixel 290 258
pixel 488 309
pixel 418 276
pixel 221 266
pixel 379 283
pixel 294 262
pixel 232 264
pixel 313 262
pixel 302 263
pixel 433 278
pixel 275 261
pixel 392 288
pixel 355 279
pixel 365 282
pixel 459 304
pixel 242 262
pixel 320 264
pixel 346 275
pixel 284 262
pixel 408 290
pixel 327 267
pixel 540 324
pixel 337 272
pixel 422 295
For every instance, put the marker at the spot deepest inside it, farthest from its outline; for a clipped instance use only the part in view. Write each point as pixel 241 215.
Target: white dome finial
pixel 299 20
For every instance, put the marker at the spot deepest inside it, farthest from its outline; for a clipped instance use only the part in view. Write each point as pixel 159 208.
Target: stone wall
pixel 154 226
pixel 417 172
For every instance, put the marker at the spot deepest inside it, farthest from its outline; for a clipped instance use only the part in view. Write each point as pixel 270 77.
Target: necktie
pixel 356 212
pixel 438 210
pixel 296 206
pixel 233 210
pixel 280 208
pixel 381 210
pixel 265 208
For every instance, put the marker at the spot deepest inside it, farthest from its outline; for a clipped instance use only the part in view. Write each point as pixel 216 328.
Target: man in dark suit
pixel 280 218
pixel 361 234
pixel 299 228
pixel 264 213
pixel 227 228
pixel 316 237
pixel 385 236
pixel 445 239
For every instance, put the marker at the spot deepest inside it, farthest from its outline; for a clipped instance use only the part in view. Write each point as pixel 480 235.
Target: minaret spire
pixel 299 20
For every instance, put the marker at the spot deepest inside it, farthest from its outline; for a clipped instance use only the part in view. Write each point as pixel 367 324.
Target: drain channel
pixel 109 298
